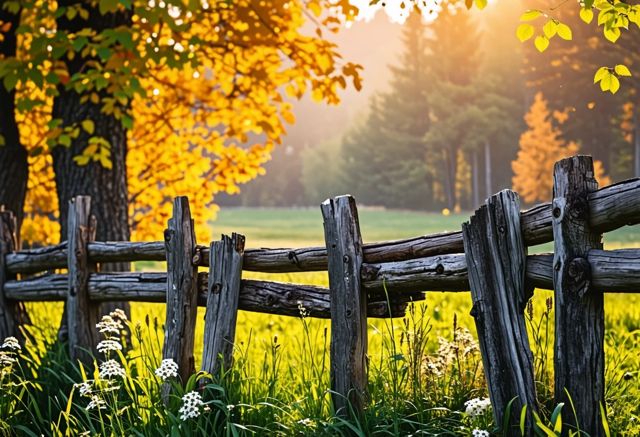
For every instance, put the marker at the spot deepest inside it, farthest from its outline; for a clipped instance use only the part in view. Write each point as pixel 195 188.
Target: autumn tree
pixel 197 89
pixel 14 167
pixel 541 146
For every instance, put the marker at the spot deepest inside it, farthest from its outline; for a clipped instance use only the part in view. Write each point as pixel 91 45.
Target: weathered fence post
pixel 82 314
pixel 12 314
pixel 180 323
pixel 579 308
pixel 496 259
pixel 225 273
pixel 348 305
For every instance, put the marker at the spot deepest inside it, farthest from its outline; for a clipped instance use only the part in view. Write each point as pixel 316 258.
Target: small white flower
pixel 477 407
pixel 109 325
pixel 111 368
pixel 230 407
pixel 11 343
pixel 84 388
pixel 479 433
pixel 96 403
pixel 168 369
pixel 191 403
pixel 306 422
pixel 6 359
pixel 118 314
pixel 109 346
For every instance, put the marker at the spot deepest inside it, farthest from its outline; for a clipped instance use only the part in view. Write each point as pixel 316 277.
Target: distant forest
pixel 447 131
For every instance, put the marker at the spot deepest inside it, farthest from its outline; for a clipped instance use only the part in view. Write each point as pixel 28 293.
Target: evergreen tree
pixel 540 147
pixel 454 60
pixel 384 158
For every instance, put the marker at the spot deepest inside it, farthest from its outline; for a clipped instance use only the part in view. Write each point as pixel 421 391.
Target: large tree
pixel 14 167
pixel 383 159
pixel 197 90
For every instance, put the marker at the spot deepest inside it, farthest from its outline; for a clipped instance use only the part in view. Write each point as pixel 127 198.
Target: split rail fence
pixel 488 256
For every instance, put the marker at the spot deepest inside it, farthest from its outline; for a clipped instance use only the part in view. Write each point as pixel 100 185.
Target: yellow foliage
pixel 541 146
pixel 208 126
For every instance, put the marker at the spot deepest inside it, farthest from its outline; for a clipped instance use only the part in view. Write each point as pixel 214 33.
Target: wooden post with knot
pixel 579 307
pixel 496 260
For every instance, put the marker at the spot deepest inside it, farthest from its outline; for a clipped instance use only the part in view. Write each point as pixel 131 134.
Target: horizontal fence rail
pixel 609 208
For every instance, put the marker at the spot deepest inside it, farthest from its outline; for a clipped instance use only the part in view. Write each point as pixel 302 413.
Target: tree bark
pixel 106 187
pixel 14 168
pixel 636 143
pixel 487 169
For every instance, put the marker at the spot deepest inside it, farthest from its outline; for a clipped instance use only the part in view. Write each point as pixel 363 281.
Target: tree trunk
pixel 14 168
pixel 487 169
pixel 476 180
pixel 107 187
pixel 451 155
pixel 636 143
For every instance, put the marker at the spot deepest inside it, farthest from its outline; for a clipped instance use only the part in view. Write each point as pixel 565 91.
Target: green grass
pixel 279 383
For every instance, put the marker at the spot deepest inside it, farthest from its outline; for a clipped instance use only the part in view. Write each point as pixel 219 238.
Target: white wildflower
pixel 111 368
pixel 118 314
pixel 479 433
pixel 477 407
pixel 84 388
pixel 6 359
pixel 109 325
pixel 11 343
pixel 191 403
pixel 168 369
pixel 230 407
pixel 306 422
pixel 109 346
pixel 96 403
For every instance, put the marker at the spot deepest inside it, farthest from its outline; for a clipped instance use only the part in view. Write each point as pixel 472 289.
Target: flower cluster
pixel 84 388
pixel 109 325
pixel 168 369
pixel 109 346
pixel 191 403
pixel 462 347
pixel 8 357
pixel 11 343
pixel 477 407
pixel 111 368
pixel 479 433
pixel 97 403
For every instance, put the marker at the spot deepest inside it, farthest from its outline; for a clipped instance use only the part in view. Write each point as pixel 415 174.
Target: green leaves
pixel 564 32
pixel 524 32
pixel 609 77
pixel 622 70
pixel 541 42
pixel 551 28
pixel 586 15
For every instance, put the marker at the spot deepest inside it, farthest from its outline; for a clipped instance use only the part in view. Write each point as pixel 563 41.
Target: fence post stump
pixel 82 314
pixel 579 308
pixel 225 273
pixel 496 259
pixel 348 304
pixel 180 323
pixel 12 314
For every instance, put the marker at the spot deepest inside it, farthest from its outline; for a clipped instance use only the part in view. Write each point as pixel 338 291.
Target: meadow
pixel 422 368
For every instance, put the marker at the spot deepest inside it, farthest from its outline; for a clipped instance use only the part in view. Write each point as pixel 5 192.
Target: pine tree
pixel 540 147
pixel 384 158
pixel 454 61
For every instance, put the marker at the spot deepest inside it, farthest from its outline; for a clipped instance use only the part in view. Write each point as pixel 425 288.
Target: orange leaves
pixel 202 97
pixel 540 147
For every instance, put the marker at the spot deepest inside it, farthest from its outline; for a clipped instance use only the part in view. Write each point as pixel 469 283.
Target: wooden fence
pixel 488 257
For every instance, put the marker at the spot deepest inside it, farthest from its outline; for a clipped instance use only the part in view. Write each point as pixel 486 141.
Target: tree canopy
pixel 200 87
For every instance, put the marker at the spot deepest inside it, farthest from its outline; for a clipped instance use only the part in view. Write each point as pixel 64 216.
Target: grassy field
pixel 419 378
